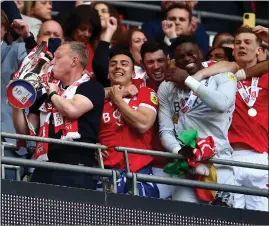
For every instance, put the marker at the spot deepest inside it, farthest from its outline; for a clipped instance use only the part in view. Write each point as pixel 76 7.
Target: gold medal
pixel 252 112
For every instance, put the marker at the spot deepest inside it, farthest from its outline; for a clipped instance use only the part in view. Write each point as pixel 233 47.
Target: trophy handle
pixel 35 55
pixel 21 94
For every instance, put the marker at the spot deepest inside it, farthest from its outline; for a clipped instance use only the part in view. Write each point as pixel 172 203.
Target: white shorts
pixel 164 189
pixel 254 178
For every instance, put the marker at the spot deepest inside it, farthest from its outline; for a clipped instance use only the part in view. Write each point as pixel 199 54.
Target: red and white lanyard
pixel 249 98
pixel 189 104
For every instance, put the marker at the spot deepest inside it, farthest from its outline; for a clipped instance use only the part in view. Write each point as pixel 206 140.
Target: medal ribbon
pixel 189 104
pixel 249 98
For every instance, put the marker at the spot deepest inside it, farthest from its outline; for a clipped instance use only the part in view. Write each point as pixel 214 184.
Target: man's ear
pixel 168 59
pixel 201 55
pixel 259 50
pixel 133 75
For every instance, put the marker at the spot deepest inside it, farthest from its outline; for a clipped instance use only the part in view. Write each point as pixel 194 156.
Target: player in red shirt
pixel 155 61
pixel 128 121
pixel 248 134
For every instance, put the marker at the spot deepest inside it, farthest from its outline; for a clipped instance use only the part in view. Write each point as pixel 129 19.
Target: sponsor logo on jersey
pixel 153 98
pixel 231 77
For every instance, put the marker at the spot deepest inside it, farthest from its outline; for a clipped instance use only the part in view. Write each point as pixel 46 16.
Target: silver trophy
pixel 22 92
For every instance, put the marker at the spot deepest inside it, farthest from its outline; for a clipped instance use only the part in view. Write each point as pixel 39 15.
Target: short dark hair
pixel 153 46
pixel 5 22
pixel 182 39
pixel 226 41
pixel 125 52
pixel 179 6
pixel 228 52
pixel 219 34
pixel 246 29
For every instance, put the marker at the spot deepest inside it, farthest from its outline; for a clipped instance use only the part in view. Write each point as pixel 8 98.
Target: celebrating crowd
pixel 157 88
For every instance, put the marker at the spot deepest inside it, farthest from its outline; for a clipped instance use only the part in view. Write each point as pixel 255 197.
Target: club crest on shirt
pixel 153 98
pixel 231 77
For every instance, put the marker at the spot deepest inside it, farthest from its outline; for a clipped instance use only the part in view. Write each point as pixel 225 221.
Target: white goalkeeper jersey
pixel 210 113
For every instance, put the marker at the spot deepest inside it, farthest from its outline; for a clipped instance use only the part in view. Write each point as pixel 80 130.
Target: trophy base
pixel 21 94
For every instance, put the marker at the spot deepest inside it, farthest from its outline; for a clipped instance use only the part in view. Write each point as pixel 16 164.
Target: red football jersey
pixel 115 132
pixel 252 131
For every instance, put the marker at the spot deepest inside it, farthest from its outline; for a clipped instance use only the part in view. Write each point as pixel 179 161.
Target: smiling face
pixel 156 65
pixel 246 49
pixel 188 57
pixel 121 70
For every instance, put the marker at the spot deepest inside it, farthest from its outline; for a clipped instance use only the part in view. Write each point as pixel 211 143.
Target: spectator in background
pixel 177 22
pixel 229 43
pixel 84 25
pixel 79 103
pixel 221 37
pixel 105 11
pixel 39 9
pixel 49 29
pixel 154 28
pixel 15 10
pixel 12 54
pixel 20 5
pixel 220 53
pixel 128 122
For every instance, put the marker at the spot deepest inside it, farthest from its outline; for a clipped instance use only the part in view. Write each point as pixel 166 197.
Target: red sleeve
pixel 148 98
pixel 138 82
pixel 208 63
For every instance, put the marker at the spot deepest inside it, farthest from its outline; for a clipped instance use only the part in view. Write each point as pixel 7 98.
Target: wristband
pixel 176 150
pixel 51 94
pixel 192 83
pixel 240 75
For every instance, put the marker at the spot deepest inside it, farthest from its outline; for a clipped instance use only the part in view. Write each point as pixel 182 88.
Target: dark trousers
pixel 64 178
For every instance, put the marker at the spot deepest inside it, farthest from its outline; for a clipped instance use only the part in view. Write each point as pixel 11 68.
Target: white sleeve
pixel 166 126
pixel 223 97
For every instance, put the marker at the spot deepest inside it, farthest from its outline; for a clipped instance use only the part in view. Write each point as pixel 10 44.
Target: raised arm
pixel 218 100
pixel 166 126
pixel 101 56
pixel 225 66
pixel 217 68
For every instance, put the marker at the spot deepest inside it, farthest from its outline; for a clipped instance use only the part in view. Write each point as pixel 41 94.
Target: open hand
pixel 261 32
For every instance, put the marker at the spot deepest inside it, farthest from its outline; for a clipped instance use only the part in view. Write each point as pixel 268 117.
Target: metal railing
pixel 126 150
pixel 130 175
